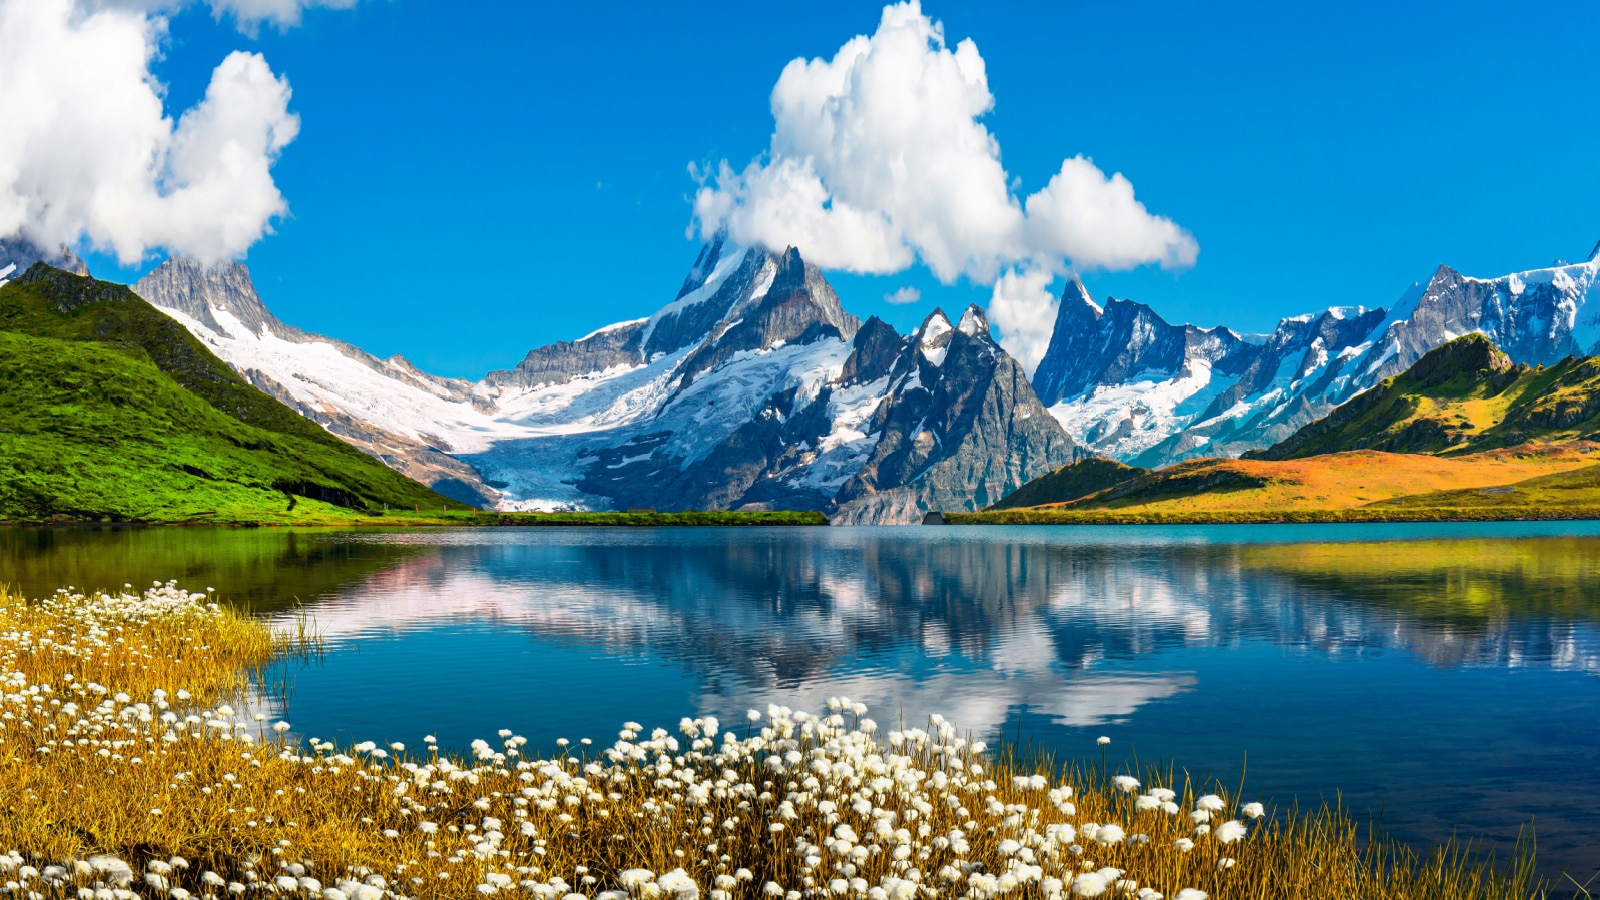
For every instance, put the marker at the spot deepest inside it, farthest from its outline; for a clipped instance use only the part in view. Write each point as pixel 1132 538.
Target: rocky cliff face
pixel 963 429
pixel 753 388
pixel 1126 384
pixel 18 254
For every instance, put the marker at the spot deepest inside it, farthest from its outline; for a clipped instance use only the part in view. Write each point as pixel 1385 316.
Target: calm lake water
pixel 1447 677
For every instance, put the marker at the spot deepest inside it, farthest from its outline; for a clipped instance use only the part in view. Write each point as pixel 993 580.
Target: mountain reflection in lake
pixel 1445 674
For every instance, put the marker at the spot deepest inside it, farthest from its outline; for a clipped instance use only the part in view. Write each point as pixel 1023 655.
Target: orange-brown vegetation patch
pixel 1335 481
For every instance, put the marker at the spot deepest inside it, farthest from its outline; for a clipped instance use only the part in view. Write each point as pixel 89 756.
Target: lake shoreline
pixel 467 519
pixel 1358 516
pixel 273 812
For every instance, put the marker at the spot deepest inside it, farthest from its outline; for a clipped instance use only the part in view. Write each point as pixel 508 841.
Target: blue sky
pixel 472 180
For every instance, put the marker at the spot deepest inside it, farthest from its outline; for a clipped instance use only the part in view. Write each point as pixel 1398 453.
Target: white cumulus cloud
pixel 1024 310
pixel 90 154
pixel 248 15
pixel 905 295
pixel 878 158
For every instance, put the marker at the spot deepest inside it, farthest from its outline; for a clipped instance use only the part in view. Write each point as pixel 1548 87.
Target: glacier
pixel 752 388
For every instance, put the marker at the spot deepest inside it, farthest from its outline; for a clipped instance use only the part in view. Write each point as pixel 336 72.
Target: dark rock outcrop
pixel 18 254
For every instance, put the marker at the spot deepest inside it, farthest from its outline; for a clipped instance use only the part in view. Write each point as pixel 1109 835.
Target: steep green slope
pixel 1071 482
pixel 113 411
pixel 1463 397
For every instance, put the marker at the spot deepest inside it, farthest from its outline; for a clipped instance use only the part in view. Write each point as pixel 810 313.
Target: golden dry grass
pixel 1346 480
pixel 123 773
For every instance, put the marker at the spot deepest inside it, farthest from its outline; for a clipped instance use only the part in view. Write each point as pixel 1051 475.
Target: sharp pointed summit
pixel 752 388
pixel 1127 384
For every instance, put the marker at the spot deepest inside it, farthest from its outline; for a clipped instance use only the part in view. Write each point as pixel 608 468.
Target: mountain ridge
pixel 1133 387
pixel 753 388
pixel 1463 429
pixel 1464 396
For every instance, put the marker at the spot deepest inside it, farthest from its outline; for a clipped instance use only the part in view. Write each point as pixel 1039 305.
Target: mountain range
pixel 753 388
pixel 1465 433
pixel 1130 386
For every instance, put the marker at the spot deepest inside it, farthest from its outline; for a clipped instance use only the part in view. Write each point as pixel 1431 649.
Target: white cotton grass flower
pixel 826 802
pixel 1089 884
pixel 1102 740
pixel 1108 835
pixel 1190 894
pixel 632 879
pixel 1210 803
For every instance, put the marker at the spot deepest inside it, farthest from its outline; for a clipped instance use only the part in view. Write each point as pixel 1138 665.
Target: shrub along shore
pixel 130 767
pixel 312 514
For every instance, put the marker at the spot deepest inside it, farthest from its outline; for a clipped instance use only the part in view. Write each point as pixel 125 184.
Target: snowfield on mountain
pixel 1126 384
pixel 752 389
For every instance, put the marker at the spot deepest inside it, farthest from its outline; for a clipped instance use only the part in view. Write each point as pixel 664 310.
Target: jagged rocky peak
pixel 200 290
pixel 785 300
pixel 933 335
pixel 734 298
pixel 974 323
pixel 796 300
pixel 873 353
pixel 18 254
pixel 1122 341
pixel 959 428
pixel 1077 324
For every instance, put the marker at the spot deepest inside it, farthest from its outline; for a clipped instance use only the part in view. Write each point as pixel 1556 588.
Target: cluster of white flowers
pixel 792 806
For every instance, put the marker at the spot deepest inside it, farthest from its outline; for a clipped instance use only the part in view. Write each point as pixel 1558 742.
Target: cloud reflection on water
pixel 982 630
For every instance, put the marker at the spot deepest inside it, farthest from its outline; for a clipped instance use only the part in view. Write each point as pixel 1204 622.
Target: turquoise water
pixel 1447 677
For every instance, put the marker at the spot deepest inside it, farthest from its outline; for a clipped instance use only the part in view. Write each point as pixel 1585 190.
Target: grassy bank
pixel 1369 514
pixel 123 767
pixel 311 514
pixel 709 517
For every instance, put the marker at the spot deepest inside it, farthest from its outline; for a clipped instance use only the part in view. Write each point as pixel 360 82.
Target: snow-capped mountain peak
pixel 974 323
pixel 1131 386
pixel 753 387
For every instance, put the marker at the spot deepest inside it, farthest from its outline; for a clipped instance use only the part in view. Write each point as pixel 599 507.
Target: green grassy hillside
pixel 1071 482
pixel 1463 397
pixel 112 411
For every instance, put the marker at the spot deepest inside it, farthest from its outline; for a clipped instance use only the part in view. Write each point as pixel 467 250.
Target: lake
pixel 1445 677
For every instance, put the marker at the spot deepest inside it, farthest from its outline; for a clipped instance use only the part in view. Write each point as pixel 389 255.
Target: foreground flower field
pixel 125 772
